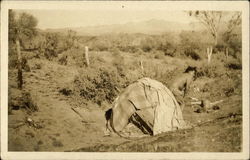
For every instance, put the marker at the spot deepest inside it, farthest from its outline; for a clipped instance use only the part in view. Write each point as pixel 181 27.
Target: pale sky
pixel 80 18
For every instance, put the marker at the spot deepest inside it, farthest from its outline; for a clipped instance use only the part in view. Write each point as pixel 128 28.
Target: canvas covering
pixel 153 102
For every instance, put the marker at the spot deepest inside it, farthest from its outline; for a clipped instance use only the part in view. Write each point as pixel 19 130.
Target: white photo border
pixel 242 6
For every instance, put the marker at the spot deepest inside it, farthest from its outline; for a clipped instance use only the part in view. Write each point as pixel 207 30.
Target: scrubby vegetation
pixel 56 61
pixel 113 68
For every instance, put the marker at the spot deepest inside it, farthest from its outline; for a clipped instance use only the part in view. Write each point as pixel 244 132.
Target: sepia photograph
pixel 124 77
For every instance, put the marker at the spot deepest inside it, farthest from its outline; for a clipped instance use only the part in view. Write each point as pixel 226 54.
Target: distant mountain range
pixel 152 26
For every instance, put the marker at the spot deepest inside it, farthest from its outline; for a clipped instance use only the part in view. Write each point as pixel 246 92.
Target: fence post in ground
pixel 209 54
pixel 141 66
pixel 19 65
pixel 87 55
pixel 226 52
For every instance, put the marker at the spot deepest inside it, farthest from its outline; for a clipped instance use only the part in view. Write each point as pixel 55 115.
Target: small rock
pixel 29 120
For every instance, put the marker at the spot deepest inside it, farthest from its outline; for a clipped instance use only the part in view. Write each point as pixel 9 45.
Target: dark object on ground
pixel 205 105
pixel 199 110
pixel 34 124
pixel 65 91
pixel 22 99
pixel 190 68
pixel 63 60
pixel 234 65
pixel 216 107
pixel 25 65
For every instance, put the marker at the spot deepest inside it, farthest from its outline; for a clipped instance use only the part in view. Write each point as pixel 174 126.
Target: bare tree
pixel 234 21
pixel 211 20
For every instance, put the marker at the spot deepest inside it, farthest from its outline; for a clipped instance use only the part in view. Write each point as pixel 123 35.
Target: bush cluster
pixel 212 70
pixel 98 85
pixel 21 100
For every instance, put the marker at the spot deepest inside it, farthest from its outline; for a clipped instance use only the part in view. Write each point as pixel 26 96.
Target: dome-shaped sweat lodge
pixel 150 105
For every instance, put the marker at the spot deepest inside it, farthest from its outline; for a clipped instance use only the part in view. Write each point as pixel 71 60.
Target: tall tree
pixel 233 23
pixel 21 27
pixel 211 20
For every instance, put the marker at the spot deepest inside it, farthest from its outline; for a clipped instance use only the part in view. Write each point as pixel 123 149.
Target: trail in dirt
pixel 62 129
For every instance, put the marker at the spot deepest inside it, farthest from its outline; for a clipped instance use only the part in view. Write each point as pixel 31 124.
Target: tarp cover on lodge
pixel 151 102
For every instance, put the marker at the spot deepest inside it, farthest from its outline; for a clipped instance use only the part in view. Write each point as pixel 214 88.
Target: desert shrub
pixel 166 44
pixel 119 62
pixel 158 55
pixel 72 56
pixel 147 44
pixel 229 91
pixel 189 52
pixel 51 45
pixel 97 60
pixel 115 50
pixel 128 48
pixel 233 63
pixel 212 70
pixel 98 85
pixel 63 60
pixel 13 63
pixel 170 52
pixel 192 44
pixel 159 72
pixel 233 41
pixel 69 40
pixel 101 44
pixel 65 91
pixel 22 100
pixel 226 85
pixel 220 47
pixel 37 66
pixel 235 45
pixel 231 87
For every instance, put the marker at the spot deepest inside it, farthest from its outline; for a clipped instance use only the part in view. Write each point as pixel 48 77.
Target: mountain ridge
pixel 152 26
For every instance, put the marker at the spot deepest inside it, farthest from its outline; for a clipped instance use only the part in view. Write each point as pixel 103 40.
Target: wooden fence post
pixel 209 54
pixel 141 65
pixel 87 55
pixel 142 68
pixel 19 65
pixel 226 52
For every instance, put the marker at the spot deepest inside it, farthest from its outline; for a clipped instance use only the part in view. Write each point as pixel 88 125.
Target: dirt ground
pixel 64 124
